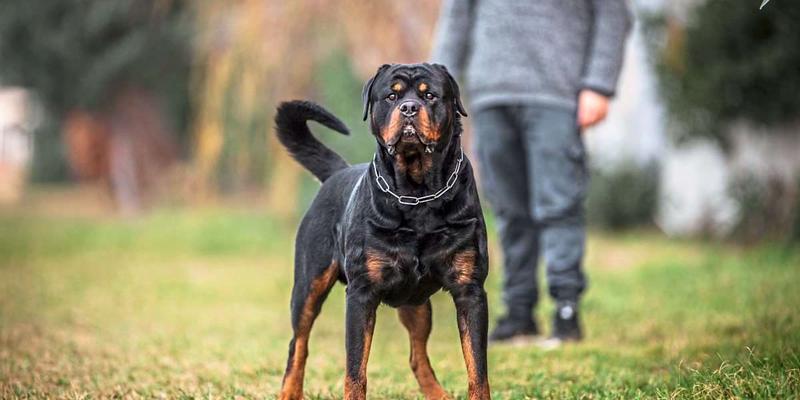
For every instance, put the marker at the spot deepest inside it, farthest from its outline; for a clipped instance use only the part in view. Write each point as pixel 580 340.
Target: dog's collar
pixel 413 200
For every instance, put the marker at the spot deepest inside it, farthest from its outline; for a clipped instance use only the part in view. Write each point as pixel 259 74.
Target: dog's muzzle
pixel 409 134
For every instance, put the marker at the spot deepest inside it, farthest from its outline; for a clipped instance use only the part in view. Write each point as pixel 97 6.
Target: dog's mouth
pixel 409 133
pixel 409 140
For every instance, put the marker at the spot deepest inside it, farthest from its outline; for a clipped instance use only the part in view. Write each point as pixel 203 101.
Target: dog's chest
pixel 408 265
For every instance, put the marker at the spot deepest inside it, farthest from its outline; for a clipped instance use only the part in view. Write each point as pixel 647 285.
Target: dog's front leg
pixel 360 315
pixel 472 314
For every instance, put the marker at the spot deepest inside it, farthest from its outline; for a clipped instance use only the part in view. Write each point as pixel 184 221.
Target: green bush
pixel 623 197
pixel 794 236
pixel 768 209
pixel 78 53
pixel 731 61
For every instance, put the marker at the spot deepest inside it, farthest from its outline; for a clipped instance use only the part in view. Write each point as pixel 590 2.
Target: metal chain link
pixel 411 200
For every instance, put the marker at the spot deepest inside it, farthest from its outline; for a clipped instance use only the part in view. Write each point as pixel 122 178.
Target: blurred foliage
pixel 339 89
pixel 250 55
pixel 234 81
pixel 729 61
pixel 768 208
pixel 77 54
pixel 623 197
pixel 219 67
pixel 794 236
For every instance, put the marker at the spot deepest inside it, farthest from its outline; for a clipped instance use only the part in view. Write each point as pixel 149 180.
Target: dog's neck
pixel 420 174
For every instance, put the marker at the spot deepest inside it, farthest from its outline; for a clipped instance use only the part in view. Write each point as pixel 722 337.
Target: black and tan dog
pixel 395 230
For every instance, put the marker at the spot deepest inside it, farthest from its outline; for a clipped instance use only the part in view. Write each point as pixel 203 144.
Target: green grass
pixel 194 304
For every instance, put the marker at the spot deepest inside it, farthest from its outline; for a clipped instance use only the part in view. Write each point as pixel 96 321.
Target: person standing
pixel 537 73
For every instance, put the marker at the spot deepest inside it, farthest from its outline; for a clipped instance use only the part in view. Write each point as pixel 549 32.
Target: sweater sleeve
pixel 453 34
pixel 612 21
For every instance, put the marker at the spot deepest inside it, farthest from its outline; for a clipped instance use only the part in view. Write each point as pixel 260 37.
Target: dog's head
pixel 413 108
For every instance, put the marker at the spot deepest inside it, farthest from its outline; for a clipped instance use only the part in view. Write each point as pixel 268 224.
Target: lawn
pixel 194 304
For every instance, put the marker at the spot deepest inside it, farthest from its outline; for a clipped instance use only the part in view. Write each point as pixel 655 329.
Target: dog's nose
pixel 409 108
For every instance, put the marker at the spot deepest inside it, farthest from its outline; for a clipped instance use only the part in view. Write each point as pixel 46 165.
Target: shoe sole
pixel 517 340
pixel 552 343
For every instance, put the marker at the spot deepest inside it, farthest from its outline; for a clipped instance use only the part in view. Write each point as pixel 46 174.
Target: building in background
pixel 17 119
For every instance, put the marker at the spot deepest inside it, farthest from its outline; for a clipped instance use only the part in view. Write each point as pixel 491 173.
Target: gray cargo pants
pixel 533 172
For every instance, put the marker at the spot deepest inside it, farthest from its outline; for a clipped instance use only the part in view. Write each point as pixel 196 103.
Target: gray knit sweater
pixel 532 51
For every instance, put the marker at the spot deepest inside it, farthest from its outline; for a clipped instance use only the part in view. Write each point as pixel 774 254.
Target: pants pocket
pixel 576 154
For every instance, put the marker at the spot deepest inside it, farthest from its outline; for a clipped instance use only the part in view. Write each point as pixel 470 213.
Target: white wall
pixel 16 144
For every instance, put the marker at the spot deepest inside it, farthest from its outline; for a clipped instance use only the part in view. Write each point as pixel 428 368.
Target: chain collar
pixel 411 200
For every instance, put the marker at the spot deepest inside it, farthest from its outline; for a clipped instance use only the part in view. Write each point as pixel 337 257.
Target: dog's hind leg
pixel 417 320
pixel 307 299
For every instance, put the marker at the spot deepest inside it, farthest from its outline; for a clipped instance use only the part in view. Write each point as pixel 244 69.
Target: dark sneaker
pixel 566 325
pixel 510 329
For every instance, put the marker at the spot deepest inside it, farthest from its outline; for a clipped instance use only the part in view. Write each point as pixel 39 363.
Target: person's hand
pixel 592 108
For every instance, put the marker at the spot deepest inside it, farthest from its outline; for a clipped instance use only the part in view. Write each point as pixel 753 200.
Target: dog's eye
pixel 430 96
pixel 392 96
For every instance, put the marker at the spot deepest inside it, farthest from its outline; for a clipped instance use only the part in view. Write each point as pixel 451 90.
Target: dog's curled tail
pixel 292 131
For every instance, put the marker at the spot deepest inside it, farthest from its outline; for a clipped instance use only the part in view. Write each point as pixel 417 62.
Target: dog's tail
pixel 292 131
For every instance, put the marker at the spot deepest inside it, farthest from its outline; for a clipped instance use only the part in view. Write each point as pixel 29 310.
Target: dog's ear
pixel 366 94
pixel 454 88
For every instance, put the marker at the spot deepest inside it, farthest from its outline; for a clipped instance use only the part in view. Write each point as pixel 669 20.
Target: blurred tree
pixel 253 54
pixel 623 197
pixel 248 53
pixel 88 59
pixel 768 208
pixel 91 59
pixel 730 61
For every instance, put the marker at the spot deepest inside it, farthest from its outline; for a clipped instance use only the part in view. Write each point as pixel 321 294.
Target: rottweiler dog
pixel 395 230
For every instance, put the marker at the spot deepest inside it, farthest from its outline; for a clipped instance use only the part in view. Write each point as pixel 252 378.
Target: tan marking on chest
pixel 416 167
pixel 375 261
pixel 464 266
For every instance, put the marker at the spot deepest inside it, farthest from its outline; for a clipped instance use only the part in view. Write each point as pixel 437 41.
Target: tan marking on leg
pixel 469 360
pixel 292 387
pixel 357 390
pixel 418 323
pixel 477 390
pixel 353 390
pixel 464 266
